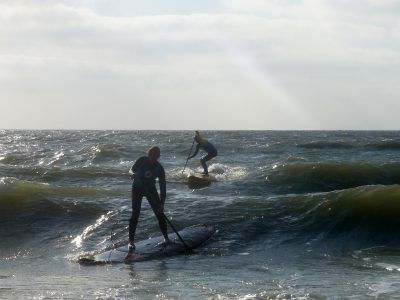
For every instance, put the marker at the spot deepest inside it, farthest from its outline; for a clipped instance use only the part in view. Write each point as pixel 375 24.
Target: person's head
pixel 154 154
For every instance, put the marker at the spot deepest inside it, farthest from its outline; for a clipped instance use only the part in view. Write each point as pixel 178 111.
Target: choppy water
pixel 300 215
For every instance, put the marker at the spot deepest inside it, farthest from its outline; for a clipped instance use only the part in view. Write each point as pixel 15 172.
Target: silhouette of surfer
pixel 144 173
pixel 206 146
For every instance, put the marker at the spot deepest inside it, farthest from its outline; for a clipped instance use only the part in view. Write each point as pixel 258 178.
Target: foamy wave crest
pixel 103 234
pixel 80 238
pixel 218 172
pixel 100 152
pixel 178 174
pixel 226 173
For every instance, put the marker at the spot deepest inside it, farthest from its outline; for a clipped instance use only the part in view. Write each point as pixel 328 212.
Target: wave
pixel 15 158
pixel 54 173
pixel 353 218
pixel 85 172
pixel 328 176
pixel 365 216
pixel 386 144
pixel 45 157
pixel 23 203
pixel 327 145
pixel 381 145
pixel 101 152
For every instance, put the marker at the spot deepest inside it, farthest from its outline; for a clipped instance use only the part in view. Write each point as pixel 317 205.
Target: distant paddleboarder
pixel 144 173
pixel 207 147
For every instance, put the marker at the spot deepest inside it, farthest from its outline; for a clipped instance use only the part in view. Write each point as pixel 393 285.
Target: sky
pixel 205 64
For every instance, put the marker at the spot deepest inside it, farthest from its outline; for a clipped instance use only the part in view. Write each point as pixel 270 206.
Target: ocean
pixel 299 215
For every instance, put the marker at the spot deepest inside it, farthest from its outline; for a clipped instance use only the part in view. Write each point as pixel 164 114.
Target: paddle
pixel 190 152
pixel 179 236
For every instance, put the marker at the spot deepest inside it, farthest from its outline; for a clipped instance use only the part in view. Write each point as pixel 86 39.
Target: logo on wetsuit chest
pixel 148 174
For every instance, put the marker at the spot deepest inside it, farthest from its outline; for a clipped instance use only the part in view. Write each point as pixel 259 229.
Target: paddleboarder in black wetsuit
pixel 144 173
pixel 206 146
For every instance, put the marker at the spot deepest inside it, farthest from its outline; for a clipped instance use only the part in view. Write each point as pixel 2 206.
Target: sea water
pixel 300 215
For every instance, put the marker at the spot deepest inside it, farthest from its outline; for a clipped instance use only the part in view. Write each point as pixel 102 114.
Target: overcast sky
pixel 204 64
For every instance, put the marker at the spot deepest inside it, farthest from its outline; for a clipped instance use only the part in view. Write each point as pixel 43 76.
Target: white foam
pixel 383 288
pixel 389 267
pixel 78 240
pixel 219 172
pixel 226 173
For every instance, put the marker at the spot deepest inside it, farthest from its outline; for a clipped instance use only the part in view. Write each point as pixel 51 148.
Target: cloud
pixel 254 65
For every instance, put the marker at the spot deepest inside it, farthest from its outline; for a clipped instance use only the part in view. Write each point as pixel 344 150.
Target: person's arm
pixel 195 151
pixel 163 186
pixel 136 166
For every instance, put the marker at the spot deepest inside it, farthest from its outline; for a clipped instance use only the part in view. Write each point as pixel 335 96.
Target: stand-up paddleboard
pixel 154 248
pixel 197 182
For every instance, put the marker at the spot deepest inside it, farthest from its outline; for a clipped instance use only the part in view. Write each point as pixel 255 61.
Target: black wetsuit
pixel 144 184
pixel 211 153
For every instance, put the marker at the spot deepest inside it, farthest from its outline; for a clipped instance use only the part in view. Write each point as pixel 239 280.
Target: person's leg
pixel 155 203
pixel 137 196
pixel 203 162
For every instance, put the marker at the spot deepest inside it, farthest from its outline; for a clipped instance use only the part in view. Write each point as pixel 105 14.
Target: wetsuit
pixel 207 147
pixel 144 184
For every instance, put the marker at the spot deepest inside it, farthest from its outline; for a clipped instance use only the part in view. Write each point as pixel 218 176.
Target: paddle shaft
pixel 179 236
pixel 190 152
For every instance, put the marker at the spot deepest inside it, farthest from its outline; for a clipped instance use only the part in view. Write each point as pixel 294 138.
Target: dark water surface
pixel 300 215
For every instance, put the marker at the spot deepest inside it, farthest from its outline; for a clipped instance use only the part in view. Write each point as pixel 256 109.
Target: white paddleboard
pixel 154 248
